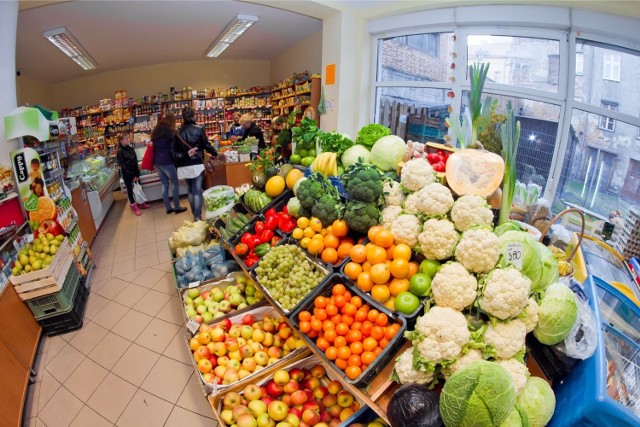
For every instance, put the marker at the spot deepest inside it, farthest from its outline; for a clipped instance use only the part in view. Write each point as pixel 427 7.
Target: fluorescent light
pixel 231 32
pixel 64 40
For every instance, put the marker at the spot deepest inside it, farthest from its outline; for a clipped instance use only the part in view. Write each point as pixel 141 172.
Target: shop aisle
pixel 128 365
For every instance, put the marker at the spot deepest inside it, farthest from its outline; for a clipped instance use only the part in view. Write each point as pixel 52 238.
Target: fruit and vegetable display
pixel 190 237
pixel 210 302
pixel 207 264
pixel 288 274
pixel 37 254
pixel 304 136
pixel 332 244
pixel 301 395
pixel 232 349
pixel 233 223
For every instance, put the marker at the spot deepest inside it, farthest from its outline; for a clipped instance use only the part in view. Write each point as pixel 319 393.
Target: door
pixel 631 188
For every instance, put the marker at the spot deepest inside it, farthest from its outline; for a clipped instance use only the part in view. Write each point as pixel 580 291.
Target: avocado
pixel 259 180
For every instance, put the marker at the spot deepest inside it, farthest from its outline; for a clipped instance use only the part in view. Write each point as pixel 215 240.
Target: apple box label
pixel 514 254
pixel 193 326
pixel 193 285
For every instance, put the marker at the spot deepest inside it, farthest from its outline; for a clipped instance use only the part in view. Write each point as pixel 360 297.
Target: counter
pixel 101 198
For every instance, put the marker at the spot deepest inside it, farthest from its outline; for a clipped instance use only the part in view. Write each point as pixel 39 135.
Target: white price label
pixel 513 254
pixel 193 285
pixel 193 326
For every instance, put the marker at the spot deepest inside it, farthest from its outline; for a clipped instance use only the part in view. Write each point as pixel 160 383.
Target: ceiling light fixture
pixel 64 40
pixel 231 32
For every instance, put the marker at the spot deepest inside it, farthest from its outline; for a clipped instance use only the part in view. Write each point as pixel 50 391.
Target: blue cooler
pixel 604 390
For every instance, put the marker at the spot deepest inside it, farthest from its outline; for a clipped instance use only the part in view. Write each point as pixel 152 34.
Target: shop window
pixel 607 123
pixel 579 63
pixel 611 66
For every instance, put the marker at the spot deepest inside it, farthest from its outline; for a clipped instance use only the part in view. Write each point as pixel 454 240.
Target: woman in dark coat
pixel 129 170
pixel 162 138
pixel 252 129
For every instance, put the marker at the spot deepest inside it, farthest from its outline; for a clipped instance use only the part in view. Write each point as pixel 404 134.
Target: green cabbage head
pixel 514 420
pixel 549 267
pixel 536 402
pixel 387 152
pixel 507 226
pixel 557 312
pixel 482 394
pixel 531 262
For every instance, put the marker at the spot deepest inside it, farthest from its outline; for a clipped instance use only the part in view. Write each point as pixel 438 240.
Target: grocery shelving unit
pixel 295 95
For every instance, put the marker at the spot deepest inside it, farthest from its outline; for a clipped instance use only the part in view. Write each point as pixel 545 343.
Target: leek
pixel 477 77
pixel 510 136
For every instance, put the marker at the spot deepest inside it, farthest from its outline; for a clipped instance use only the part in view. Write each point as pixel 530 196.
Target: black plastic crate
pixel 58 302
pixel 251 229
pixel 553 363
pixel 70 320
pixel 387 353
pixel 237 208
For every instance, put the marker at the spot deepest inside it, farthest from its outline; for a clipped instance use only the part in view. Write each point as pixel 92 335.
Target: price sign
pixel 193 326
pixel 194 285
pixel 513 254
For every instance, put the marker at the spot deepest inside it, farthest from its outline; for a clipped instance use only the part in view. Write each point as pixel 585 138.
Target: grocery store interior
pixel 334 262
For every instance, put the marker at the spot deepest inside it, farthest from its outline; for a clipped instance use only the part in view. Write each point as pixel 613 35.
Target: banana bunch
pixel 326 164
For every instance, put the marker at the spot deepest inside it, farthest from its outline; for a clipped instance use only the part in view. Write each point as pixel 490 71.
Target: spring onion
pixel 510 136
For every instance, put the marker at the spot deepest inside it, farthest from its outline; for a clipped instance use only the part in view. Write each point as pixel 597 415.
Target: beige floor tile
pixel 146 260
pixel 110 249
pixel 109 350
pixel 68 336
pixel 61 409
pixel 166 284
pixel 120 256
pixel 145 237
pixel 65 362
pixel 94 284
pixel 104 258
pixel 147 249
pixel 86 379
pixel 162 245
pixel 167 379
pixel 193 398
pixel 165 266
pixel 123 267
pixel 177 349
pixel 172 312
pixel 126 244
pixel 111 397
pixel 181 417
pixel 130 295
pixel 95 303
pixel 101 272
pixel 48 387
pixel 164 256
pixel 152 302
pixel 148 278
pixel 87 417
pixel 131 324
pixel 164 225
pixel 135 364
pixel 110 315
pixel 163 236
pixel 87 337
pixel 112 288
pixel 145 410
pixel 157 335
pixel 130 277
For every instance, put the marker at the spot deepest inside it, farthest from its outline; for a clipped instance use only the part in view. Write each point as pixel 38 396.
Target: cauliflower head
pixel 529 315
pixel 405 229
pixel 393 194
pixel 439 337
pixel 412 203
pixel 518 371
pixel 417 174
pixel 505 339
pixel 406 374
pixel 478 250
pixel 434 199
pixel 453 286
pixel 438 239
pixel 471 210
pixel 505 293
pixel 388 214
pixel 465 360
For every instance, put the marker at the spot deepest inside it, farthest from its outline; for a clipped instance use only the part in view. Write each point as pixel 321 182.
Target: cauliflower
pixel 438 239
pixel 404 372
pixel 464 361
pixel 478 250
pixel 518 371
pixel 505 293
pixel 405 229
pixel 439 337
pixel 468 211
pixel 505 339
pixel 453 286
pixel 529 315
pixel 434 199
pixel 393 194
pixel 411 204
pixel 388 214
pixel 417 174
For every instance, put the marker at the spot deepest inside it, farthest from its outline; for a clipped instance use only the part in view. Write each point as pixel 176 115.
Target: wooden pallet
pixel 48 280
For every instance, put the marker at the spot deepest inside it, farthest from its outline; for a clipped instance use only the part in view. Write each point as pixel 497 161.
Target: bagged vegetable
pixel 189 234
pixel 583 338
pixel 223 268
pixel 184 264
pixel 189 249
pixel 195 274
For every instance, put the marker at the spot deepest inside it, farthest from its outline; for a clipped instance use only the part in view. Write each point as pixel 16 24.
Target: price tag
pixel 193 326
pixel 513 254
pixel 194 285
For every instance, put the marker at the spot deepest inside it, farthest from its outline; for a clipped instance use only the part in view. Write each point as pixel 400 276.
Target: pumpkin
pixel 476 172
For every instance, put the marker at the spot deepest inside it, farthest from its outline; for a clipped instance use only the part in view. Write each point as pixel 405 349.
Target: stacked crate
pixel 627 237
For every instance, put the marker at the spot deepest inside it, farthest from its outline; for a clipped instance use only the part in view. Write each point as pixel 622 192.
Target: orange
pixel 336 319
pixel 366 266
pixel 347 240
pixel 353 372
pixel 364 282
pixel 347 296
pixel 384 238
pixel 305 326
pixel 369 344
pixel 413 269
pixel 347 320
pixel 391 303
pixel 371 234
pixel 356 348
pixel 390 251
pixel 341 364
pixel 367 357
pixel 332 310
pixel 304 316
pixel 46 210
pixel 340 341
pixel 357 301
pixel 329 256
pixel 381 320
pixel 338 289
pixel 331 241
pixel 322 344
pixel 354 360
pixel 397 286
pixel 380 274
pixel 371 316
pixel 402 250
pixel 376 255
pixel 354 336
pixel 391 331
pixel 352 270
pixel 377 351
pixel 330 335
pixel 358 254
pixel 342 329
pixel 344 353
pixel 400 268
pixel 344 249
pixel 320 302
pixel 315 247
pixel 339 228
pixel 339 301
pixel 377 333
pixel 331 353
pixel 355 326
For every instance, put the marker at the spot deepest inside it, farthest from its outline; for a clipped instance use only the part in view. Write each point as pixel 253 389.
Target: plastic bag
pixel 138 194
pixel 583 338
pixel 223 268
pixel 189 234
pixel 184 264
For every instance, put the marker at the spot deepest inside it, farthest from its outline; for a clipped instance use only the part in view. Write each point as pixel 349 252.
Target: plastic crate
pixel 252 230
pixel 384 357
pixel 70 320
pixel 59 302
pixel 237 208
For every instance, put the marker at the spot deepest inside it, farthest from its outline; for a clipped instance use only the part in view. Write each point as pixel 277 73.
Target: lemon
pixel 305 242
pixel 303 222
pixel 298 233
pixel 315 225
pixel 308 232
pixel 275 186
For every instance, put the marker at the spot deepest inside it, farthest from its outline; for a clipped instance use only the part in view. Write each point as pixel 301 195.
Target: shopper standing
pixel 162 138
pixel 189 147
pixel 252 129
pixel 236 130
pixel 129 170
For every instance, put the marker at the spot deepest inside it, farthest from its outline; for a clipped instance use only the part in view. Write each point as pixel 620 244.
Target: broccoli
pixel 361 216
pixel 327 209
pixel 309 191
pixel 363 182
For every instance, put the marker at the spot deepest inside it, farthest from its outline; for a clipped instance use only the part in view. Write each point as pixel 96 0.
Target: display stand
pixel 101 200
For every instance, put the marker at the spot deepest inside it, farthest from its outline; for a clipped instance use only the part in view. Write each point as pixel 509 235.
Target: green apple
pixel 193 293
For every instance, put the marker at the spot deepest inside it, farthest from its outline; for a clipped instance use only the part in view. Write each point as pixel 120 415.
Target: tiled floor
pixel 128 365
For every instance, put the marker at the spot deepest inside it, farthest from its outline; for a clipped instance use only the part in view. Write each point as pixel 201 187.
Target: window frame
pixel 608 120
pixel 581 71
pixel 614 77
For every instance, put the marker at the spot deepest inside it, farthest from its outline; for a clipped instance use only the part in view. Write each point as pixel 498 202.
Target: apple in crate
pixel 252 392
pixel 277 410
pixel 257 407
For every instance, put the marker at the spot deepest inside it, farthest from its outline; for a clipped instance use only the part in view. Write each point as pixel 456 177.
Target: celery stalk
pixel 510 136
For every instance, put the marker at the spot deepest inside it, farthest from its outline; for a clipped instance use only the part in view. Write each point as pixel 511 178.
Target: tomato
pixel 432 158
pixel 439 167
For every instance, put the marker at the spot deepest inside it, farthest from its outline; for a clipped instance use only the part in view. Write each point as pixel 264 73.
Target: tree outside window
pixel 607 123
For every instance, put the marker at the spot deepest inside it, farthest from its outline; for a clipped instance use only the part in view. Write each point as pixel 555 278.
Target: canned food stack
pixel 627 237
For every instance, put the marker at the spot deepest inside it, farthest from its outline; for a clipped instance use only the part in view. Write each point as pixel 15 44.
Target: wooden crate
pixel 48 280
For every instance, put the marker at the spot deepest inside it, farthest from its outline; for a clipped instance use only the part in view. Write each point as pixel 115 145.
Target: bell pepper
pixel 263 249
pixel 275 240
pixel 270 212
pixel 271 223
pixel 259 226
pixel 266 236
pixel 283 219
pixel 285 209
pixel 251 260
pixel 287 226
pixel 246 238
pixel 255 241
pixel 242 249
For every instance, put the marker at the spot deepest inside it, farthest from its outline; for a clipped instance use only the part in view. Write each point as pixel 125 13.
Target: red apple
pixel 204 365
pixel 335 422
pixel 320 392
pixel 231 399
pixel 268 326
pixel 226 325
pixel 252 392
pixel 249 364
pixel 214 360
pixel 263 391
pixel 306 373
pixel 295 411
pixel 310 395
pixel 296 374
pixel 284 333
pixel 318 371
pixel 267 399
pixel 203 352
pixel 329 400
pixel 311 383
pixel 246 351
pixel 299 397
pixel 219 349
pixel 219 371
pixel 325 417
pixel 231 344
pixel 217 335
pixel 355 406
pixel 275 352
pixel 278 410
pixel 223 360
pixel 346 413
pixel 311 417
pixel 50 226
pixel 345 399
pixel 335 410
pixel 291 387
pixel 286 398
pixel 239 410
pixel 334 387
pixel 275 390
pixel 247 319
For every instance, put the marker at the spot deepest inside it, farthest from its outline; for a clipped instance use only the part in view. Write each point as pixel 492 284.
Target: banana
pixel 321 162
pixel 326 163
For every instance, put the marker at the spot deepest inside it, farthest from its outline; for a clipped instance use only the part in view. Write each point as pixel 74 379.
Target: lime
pixel 429 267
pixel 420 285
pixel 302 152
pixel 295 159
pixel 406 302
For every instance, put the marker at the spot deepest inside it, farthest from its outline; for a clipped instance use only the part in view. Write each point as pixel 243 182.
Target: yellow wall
pixel 306 55
pixel 33 92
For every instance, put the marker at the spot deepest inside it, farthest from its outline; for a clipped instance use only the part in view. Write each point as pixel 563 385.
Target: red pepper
pixel 250 261
pixel 271 223
pixel 266 236
pixel 259 226
pixel 287 226
pixel 255 241
pixel 270 212
pixel 242 249
pixel 285 209
pixel 246 238
pixel 275 240
pixel 283 219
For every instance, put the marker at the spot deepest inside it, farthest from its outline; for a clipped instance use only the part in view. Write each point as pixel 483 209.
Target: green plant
pixel 305 134
pixel 510 136
pixel 488 133
pixel 263 161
